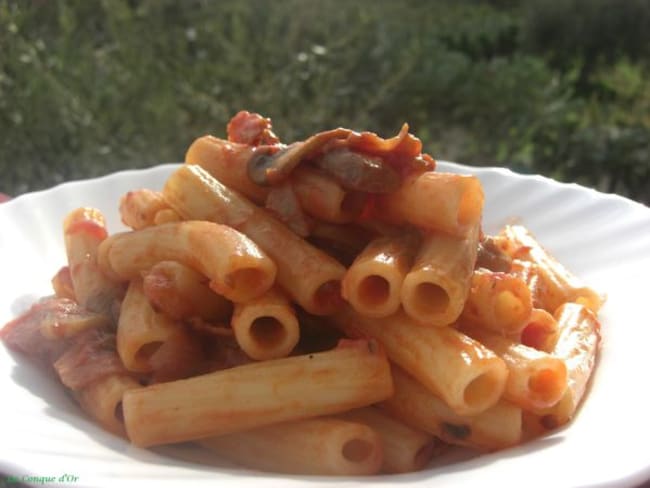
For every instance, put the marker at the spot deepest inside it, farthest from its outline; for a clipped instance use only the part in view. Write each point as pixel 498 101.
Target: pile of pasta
pixel 330 306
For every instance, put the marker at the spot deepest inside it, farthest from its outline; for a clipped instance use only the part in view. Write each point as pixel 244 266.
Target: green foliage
pixel 560 88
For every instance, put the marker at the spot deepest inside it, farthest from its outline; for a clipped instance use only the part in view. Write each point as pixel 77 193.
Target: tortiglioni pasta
pixel 214 318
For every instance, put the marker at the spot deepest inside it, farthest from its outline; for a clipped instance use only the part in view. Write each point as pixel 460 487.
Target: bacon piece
pixel 43 331
pixel 403 151
pixel 403 143
pixel 91 356
pixel 23 334
pixel 252 129
pixel 58 332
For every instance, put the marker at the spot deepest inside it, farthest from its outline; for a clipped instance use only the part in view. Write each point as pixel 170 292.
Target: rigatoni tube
pixel 373 283
pixel 308 275
pixel 138 208
pixel 435 289
pixel 102 400
pixel 237 268
pixel 436 201
pixel 84 229
pixel 541 331
pixel 405 449
pixel 467 375
pixel 495 428
pixel 244 397
pixel 266 327
pixel 560 285
pixel 536 379
pixel 578 346
pixel 183 293
pixel 143 333
pixel 319 194
pixel 318 446
pixel 227 162
pixel 497 301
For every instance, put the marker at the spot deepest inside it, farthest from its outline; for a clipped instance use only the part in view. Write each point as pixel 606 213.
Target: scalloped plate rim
pixel 632 475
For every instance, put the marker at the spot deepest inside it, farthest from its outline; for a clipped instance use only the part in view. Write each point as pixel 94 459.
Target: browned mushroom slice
pixel 359 172
pixel 271 166
pixel 490 256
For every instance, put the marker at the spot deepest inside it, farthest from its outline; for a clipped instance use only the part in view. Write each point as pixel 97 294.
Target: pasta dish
pixel 330 306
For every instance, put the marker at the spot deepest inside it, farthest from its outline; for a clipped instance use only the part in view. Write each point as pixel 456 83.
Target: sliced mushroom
pixel 490 256
pixel 359 172
pixel 270 166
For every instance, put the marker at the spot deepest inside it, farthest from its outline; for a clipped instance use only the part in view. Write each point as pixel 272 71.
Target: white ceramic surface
pixel 604 239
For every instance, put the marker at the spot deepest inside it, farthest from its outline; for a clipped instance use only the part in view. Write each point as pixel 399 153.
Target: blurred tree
pixel 561 88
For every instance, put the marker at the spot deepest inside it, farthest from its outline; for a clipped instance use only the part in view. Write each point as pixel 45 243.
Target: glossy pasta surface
pixel 437 337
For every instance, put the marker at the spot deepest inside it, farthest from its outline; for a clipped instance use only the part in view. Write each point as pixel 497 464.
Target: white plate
pixel 604 239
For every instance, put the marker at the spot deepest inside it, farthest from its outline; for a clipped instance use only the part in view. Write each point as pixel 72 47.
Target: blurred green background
pixel 560 88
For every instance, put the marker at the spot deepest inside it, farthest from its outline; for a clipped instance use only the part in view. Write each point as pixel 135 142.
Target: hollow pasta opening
pixel 430 298
pixel 246 278
pixel 535 335
pixel 509 308
pixel 357 450
pixel 374 290
pixel 480 389
pixel 544 385
pixel 267 331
